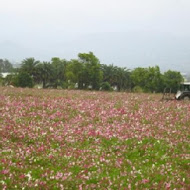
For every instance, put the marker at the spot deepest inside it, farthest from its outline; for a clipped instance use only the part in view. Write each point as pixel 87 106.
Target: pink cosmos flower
pixel 144 181
pixel 22 176
pixel 5 172
pixel 168 185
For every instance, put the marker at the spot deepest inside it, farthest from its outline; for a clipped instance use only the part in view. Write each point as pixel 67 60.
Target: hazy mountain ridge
pixel 130 49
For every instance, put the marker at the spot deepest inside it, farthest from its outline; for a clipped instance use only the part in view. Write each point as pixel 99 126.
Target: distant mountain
pixel 127 49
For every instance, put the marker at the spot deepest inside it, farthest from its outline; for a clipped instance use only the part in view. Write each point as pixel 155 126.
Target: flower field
pixel 64 139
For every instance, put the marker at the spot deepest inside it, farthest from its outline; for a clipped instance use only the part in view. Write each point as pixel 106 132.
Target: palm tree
pixel 109 73
pixel 122 78
pixel 59 68
pixel 44 72
pixel 29 66
pixel 116 76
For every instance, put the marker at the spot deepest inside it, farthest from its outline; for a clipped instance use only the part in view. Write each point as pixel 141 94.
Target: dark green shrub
pixel 106 86
pixel 138 89
pixel 23 80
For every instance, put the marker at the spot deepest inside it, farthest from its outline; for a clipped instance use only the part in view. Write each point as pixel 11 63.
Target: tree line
pixel 86 72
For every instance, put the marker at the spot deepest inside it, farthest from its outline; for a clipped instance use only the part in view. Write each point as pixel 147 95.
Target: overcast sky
pixel 127 33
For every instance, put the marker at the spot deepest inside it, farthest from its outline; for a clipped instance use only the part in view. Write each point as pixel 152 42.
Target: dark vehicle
pixel 184 91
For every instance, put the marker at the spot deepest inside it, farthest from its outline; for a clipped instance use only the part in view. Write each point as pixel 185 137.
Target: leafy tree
pixel 59 71
pixel 1 79
pixel 154 79
pixel 86 71
pixel 5 66
pixel 74 73
pixel 139 77
pixel 106 86
pixel 137 89
pixel 92 70
pixel 148 79
pixel 172 79
pixel 23 80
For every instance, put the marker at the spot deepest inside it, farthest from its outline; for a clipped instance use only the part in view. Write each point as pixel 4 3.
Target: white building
pixel 4 75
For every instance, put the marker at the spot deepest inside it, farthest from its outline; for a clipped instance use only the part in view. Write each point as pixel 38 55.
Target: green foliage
pixel 172 79
pixel 29 66
pixel 137 89
pixel 106 86
pixel 116 76
pixel 10 80
pixel 149 79
pixel 138 77
pixel 122 78
pixel 23 80
pixel 1 81
pixel 86 72
pixel 74 72
pixel 154 80
pixel 5 66
pixel 44 73
pixel 64 85
pixel 49 74
pixel 59 69
pixel 92 74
